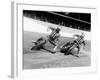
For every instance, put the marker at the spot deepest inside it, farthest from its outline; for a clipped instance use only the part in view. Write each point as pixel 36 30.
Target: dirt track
pixel 44 59
pixel 48 60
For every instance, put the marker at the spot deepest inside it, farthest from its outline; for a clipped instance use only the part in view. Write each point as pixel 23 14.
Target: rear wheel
pixel 33 48
pixel 39 44
pixel 74 52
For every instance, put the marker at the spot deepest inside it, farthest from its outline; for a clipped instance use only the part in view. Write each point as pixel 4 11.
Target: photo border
pixel 17 42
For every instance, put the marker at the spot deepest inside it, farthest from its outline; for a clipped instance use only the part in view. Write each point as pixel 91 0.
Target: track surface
pixel 44 59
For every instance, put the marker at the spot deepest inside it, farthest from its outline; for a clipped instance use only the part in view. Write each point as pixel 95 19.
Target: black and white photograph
pixel 56 39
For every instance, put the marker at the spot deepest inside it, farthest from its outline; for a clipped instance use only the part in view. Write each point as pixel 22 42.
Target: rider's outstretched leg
pixel 55 48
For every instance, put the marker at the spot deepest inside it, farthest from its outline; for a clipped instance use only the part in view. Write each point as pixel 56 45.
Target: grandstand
pixel 81 21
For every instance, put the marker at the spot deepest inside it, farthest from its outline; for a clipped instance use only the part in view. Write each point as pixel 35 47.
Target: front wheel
pixel 32 48
pixel 35 48
pixel 75 52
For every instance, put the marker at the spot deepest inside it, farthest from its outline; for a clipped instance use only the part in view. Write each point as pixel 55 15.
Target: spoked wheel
pixel 75 52
pixel 39 44
pixel 64 50
pixel 68 51
pixel 35 48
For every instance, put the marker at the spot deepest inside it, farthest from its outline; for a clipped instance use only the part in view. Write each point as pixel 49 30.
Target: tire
pixel 39 44
pixel 74 52
pixel 33 48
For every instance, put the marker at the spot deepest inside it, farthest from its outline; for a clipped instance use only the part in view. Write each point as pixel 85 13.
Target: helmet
pixel 58 29
pixel 82 34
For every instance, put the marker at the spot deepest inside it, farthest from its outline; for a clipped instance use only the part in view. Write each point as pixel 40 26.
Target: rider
pixel 76 43
pixel 80 39
pixel 54 36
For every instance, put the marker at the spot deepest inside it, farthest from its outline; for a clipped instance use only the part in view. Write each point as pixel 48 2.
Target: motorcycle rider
pixel 53 38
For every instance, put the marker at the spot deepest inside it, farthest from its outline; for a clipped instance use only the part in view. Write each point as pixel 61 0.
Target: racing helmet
pixel 58 29
pixel 82 34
